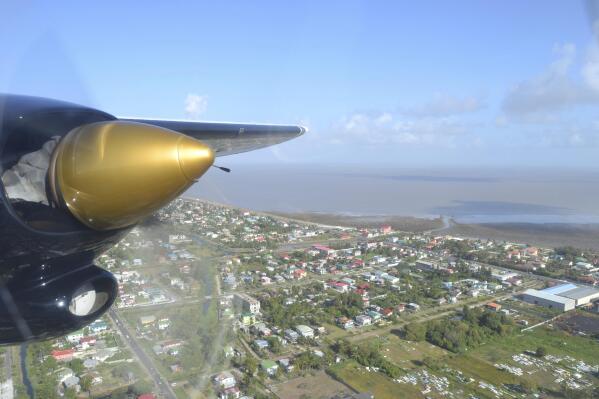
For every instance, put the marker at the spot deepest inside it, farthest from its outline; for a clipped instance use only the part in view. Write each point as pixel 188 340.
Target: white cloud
pixel 385 128
pixel 445 105
pixel 590 69
pixel 556 89
pixel 195 105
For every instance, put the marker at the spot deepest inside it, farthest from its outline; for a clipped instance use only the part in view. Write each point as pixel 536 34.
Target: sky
pixel 421 84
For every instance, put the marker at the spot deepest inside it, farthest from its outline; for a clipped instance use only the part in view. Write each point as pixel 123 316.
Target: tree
pixel 77 366
pixel 541 351
pixel 86 383
pixel 415 332
pixel 70 393
pixel 250 365
pixel 140 387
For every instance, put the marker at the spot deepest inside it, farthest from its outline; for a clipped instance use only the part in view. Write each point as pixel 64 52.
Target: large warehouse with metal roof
pixel 563 296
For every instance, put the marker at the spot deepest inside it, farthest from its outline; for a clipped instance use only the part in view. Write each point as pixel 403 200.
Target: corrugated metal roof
pixel 556 290
pixel 579 292
pixel 550 297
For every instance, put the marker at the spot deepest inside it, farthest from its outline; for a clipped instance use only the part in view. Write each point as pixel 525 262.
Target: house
pixel 363 320
pixel 291 335
pixel 145 321
pixel 63 355
pixel 98 326
pixel 103 354
pixel 172 347
pixel 225 380
pixel 261 344
pixel 345 323
pixel 269 366
pixel 90 363
pixel 413 306
pixel 299 274
pixel 493 307
pixel 248 303
pixel 323 250
pixel 164 323
pixel 305 331
pixel 230 393
pixel 72 382
pixel 261 329
pixel 74 337
pixel 375 316
pixel 247 319
pixel 86 342
pixel 339 286
pixel 286 364
pixel 265 280
pixel 424 265
pixel 63 374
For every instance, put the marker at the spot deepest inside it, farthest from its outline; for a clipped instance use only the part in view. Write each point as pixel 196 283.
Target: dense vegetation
pixel 368 356
pixel 475 327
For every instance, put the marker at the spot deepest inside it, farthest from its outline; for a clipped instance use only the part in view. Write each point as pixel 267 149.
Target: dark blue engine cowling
pixel 44 309
pixel 46 255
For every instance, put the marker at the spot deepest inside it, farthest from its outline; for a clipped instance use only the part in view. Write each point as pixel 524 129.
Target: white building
pixel 305 331
pixel 363 320
pixel 580 294
pixel 548 300
pixel 248 303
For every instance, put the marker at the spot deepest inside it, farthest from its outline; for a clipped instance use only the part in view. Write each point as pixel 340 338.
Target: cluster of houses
pixel 374 314
pixel 229 225
pixel 88 345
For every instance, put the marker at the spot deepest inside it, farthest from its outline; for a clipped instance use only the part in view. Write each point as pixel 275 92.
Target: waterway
pixel 25 372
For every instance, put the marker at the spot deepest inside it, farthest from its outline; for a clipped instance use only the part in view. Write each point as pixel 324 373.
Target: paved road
pixel 6 387
pixel 161 383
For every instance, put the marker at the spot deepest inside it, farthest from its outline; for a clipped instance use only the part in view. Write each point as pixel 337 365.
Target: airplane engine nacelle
pixel 73 181
pixel 55 305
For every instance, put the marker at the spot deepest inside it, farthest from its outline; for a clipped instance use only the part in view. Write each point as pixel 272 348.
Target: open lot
pixel 319 385
pixel 362 380
pixel 583 322
pixel 495 369
pixel 408 354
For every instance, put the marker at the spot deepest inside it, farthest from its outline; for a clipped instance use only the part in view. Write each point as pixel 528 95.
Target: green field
pixel 556 342
pixel 361 380
pixel 408 354
pixel 466 372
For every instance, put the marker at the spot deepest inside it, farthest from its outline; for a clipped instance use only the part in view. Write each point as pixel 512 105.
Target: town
pixel 216 301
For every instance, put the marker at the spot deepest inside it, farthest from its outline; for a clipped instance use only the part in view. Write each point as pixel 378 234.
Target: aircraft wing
pixel 229 138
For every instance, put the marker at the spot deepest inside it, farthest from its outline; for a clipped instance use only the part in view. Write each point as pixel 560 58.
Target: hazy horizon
pixel 476 196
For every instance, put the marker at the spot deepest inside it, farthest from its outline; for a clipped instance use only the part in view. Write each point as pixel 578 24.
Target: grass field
pixel 319 385
pixel 469 372
pixel 556 343
pixel 408 354
pixel 382 387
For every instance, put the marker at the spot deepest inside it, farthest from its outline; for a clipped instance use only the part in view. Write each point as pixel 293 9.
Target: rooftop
pixel 579 292
pixel 549 296
pixel 558 289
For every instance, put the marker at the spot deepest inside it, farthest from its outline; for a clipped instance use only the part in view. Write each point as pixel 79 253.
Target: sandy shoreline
pixel 542 234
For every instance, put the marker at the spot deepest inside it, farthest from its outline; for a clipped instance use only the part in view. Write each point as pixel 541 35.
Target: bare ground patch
pixel 319 385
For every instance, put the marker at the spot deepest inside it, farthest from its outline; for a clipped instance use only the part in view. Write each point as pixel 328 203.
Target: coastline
pixel 580 235
pixel 583 235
